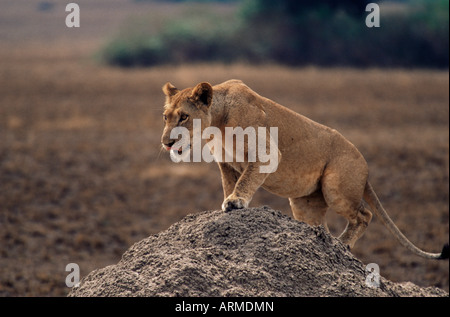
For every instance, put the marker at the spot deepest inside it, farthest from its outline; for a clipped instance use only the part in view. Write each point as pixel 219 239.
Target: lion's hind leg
pixel 358 220
pixel 310 209
pixel 343 193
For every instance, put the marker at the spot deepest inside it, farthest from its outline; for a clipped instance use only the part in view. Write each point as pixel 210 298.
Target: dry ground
pixel 82 176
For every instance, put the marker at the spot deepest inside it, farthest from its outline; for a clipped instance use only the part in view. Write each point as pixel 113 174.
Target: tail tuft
pixel 445 252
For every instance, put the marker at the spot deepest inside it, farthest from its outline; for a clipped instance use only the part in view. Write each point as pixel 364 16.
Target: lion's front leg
pixel 246 186
pixel 229 178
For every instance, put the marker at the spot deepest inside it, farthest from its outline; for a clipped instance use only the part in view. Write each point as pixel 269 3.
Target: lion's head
pixel 182 107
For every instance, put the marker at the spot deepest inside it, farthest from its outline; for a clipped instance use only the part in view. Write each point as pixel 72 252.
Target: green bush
pixel 334 33
pixel 199 36
pixel 326 33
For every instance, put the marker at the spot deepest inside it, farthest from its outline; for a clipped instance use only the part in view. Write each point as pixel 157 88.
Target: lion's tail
pixel 371 198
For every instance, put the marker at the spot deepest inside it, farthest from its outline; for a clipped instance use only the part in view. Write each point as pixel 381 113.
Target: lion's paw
pixel 232 203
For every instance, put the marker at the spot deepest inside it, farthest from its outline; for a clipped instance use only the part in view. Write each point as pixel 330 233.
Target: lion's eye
pixel 164 117
pixel 184 117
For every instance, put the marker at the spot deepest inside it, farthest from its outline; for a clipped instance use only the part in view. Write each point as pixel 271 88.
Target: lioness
pixel 318 169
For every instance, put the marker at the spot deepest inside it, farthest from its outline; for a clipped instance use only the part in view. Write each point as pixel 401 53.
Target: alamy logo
pixel 373 18
pixel 73 278
pixel 373 275
pixel 73 18
pixel 258 142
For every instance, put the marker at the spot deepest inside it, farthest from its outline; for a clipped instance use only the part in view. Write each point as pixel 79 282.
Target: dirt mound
pixel 250 252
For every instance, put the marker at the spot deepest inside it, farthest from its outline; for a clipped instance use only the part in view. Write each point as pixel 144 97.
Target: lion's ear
pixel 170 90
pixel 202 94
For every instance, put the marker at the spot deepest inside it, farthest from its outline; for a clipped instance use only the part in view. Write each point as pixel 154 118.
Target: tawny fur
pixel 318 169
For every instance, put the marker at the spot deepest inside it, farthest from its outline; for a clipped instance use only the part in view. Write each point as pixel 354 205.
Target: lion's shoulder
pixel 232 86
pixel 233 82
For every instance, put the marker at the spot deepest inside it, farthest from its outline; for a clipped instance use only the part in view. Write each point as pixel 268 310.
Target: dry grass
pixel 82 176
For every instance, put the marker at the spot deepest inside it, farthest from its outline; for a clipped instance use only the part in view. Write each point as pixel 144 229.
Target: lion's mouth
pixel 179 151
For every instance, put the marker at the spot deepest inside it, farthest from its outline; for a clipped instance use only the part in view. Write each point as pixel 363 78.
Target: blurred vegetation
pixel 198 34
pixel 326 33
pixel 224 1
